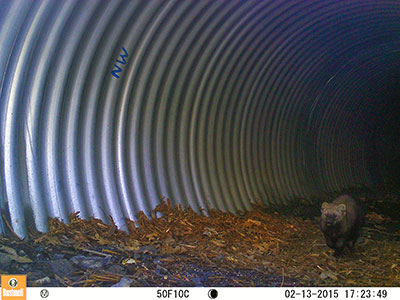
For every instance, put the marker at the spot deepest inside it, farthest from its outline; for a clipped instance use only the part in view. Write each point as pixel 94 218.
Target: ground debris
pixel 178 247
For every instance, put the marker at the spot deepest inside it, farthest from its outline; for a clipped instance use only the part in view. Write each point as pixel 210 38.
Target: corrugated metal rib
pixel 219 103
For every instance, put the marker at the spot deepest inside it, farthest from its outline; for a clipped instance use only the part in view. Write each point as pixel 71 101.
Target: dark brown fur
pixel 341 223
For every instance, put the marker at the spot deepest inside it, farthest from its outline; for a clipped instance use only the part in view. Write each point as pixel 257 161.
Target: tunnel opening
pixel 384 135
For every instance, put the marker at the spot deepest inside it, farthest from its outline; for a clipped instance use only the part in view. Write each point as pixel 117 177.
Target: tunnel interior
pixel 200 139
pixel 108 106
pixel 373 104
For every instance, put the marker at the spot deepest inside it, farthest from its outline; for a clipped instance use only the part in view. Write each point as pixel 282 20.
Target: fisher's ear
pixel 342 207
pixel 324 206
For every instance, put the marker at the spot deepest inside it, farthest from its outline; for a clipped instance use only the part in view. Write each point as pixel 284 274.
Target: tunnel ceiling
pixel 106 106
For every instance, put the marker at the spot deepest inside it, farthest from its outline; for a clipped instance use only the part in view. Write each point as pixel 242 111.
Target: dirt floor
pixel 260 247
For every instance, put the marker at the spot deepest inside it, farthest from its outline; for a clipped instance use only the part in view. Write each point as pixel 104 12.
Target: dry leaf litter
pixel 178 247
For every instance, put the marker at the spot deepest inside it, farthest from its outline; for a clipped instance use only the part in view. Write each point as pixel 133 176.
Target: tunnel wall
pixel 106 106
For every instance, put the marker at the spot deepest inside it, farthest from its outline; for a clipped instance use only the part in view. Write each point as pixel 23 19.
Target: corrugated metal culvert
pixel 108 105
